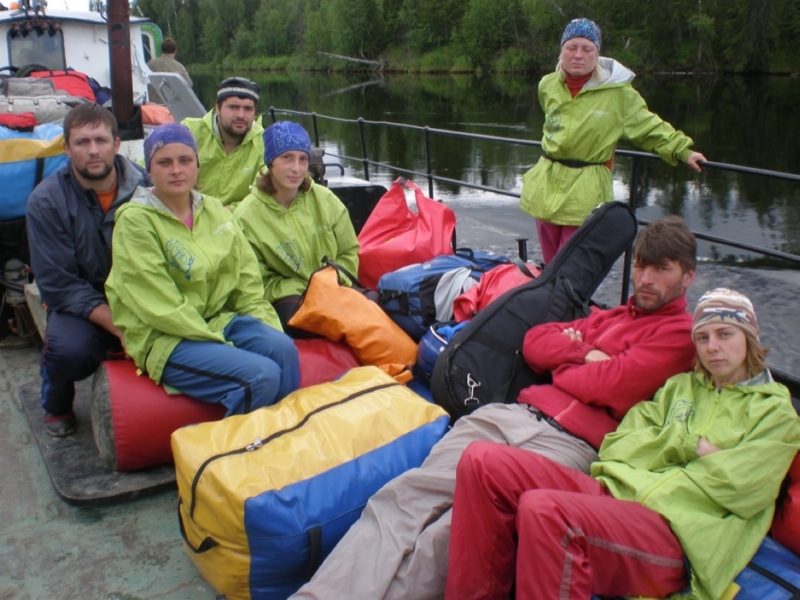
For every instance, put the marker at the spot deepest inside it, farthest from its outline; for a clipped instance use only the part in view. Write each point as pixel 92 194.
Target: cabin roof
pixel 81 16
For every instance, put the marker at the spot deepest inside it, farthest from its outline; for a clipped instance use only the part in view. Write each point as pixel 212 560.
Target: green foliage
pixel 440 60
pixel 431 24
pixel 487 27
pixel 507 35
pixel 317 33
pixel 462 64
pixel 355 27
pixel 514 60
pixel 277 27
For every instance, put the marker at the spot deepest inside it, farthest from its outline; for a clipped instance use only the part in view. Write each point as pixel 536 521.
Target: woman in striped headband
pixel 681 497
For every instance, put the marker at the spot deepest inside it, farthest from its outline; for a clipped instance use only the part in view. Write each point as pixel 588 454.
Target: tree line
pixel 735 36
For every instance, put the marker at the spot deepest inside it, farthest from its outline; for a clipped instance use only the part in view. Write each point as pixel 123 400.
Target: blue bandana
pixel 284 136
pixel 169 133
pixel 582 28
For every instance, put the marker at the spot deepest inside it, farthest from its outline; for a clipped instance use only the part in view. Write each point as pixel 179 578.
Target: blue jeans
pixel 259 369
pixel 73 349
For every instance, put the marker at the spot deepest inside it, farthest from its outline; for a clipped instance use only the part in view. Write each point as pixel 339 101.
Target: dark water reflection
pixel 746 121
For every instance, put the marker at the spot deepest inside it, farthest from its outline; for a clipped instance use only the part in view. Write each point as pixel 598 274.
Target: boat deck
pixel 51 549
pixel 133 549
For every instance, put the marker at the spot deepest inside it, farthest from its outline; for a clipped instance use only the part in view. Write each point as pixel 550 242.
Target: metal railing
pixel 634 195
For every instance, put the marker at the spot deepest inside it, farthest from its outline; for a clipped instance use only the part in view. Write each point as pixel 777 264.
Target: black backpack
pixel 483 362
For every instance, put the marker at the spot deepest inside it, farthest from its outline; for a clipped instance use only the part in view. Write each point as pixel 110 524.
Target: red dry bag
pixel 395 236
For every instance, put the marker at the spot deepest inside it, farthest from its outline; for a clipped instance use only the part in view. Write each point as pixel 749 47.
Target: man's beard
pixel 234 134
pixel 86 174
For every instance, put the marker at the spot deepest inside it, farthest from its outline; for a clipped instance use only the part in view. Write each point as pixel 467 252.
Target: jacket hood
pixel 761 383
pixel 610 72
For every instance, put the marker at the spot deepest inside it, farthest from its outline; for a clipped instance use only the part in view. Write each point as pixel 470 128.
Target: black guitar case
pixel 483 362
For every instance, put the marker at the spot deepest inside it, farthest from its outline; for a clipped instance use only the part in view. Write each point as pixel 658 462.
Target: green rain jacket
pixel 224 176
pixel 587 128
pixel 719 506
pixel 169 283
pixel 290 242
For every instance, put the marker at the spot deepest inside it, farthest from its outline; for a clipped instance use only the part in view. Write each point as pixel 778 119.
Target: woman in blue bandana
pixel 589 106
pixel 291 222
pixel 185 289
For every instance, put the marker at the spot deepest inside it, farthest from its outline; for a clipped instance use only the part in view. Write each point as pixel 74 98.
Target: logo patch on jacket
pixel 290 255
pixel 552 123
pixel 180 258
pixel 227 226
pixel 681 412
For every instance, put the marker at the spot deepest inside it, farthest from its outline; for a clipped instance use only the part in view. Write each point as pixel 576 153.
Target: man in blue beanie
pixel 70 216
pixel 229 141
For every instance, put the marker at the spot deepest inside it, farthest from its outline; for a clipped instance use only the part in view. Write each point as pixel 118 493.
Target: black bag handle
pixel 206 545
pixel 327 262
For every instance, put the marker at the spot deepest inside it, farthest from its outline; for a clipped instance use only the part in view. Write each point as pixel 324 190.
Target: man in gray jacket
pixel 70 216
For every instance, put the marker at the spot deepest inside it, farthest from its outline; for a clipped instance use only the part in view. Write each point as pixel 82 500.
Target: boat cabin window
pixel 38 43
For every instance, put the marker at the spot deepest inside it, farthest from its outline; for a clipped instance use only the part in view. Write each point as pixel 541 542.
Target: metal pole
pixel 316 128
pixel 364 157
pixel 119 56
pixel 633 202
pixel 428 161
pixel 522 249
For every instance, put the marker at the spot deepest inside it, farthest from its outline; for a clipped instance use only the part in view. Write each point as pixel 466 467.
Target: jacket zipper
pixel 260 442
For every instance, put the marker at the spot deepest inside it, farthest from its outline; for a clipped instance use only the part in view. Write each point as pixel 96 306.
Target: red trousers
pixel 557 532
pixel 552 237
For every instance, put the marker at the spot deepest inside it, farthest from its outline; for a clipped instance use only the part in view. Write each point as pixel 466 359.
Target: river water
pixel 745 121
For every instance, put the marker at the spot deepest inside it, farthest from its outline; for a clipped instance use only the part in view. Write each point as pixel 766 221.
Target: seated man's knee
pixel 74 343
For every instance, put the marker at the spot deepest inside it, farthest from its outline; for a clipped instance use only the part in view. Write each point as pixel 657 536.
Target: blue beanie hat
pixel 284 136
pixel 582 28
pixel 169 133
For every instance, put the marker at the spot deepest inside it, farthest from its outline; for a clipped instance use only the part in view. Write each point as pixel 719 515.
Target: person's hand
pixel 694 161
pixel 118 332
pixel 595 355
pixel 573 334
pixel 704 447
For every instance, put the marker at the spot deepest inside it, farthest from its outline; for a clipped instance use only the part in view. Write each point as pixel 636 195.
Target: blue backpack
pixel 431 345
pixel 419 295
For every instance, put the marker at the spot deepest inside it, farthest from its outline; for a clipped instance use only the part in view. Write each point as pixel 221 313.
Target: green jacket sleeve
pixel 644 440
pixel 651 133
pixel 346 241
pixel 248 298
pixel 747 477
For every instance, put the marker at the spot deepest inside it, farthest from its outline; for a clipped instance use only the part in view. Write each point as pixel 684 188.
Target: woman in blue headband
pixel 185 290
pixel 291 222
pixel 589 106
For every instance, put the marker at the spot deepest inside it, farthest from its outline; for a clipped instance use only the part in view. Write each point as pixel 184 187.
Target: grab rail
pixel 634 193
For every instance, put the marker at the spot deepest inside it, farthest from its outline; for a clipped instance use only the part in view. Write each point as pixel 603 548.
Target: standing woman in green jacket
pixel 185 290
pixel 589 106
pixel 680 499
pixel 292 222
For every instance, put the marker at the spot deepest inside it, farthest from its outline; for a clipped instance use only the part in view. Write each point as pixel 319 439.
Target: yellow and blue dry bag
pixel 264 497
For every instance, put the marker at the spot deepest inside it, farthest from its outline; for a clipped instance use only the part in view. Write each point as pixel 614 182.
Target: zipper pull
pixel 255 445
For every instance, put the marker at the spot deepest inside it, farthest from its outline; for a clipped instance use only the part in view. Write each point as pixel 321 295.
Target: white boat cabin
pixel 58 39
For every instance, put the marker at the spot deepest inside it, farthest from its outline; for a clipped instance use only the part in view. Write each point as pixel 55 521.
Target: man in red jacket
pixel 601 366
